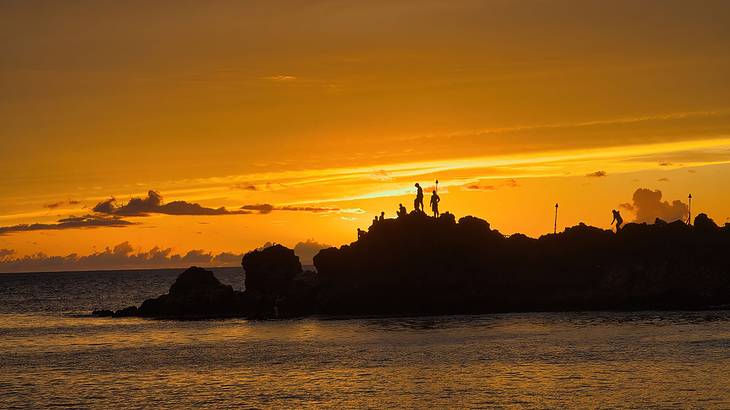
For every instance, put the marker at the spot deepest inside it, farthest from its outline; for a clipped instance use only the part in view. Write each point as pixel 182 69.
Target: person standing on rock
pixel 618 219
pixel 418 202
pixel 435 199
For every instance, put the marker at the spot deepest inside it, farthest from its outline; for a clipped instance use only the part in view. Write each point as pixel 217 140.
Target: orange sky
pixel 342 106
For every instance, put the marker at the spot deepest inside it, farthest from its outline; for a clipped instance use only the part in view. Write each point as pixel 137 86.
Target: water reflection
pixel 57 356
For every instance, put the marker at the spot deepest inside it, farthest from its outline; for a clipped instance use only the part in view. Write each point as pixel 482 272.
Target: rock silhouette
pixel 270 270
pixel 413 266
pixel 196 293
pixel 419 265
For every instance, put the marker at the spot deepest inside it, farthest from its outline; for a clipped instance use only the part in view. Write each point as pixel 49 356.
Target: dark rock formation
pixel 277 285
pixel 418 265
pixel 195 294
pixel 270 270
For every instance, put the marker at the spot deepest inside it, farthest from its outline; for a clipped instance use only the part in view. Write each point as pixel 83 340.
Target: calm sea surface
pixel 52 353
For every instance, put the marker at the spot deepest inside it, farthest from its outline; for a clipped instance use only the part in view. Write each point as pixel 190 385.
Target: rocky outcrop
pixel 269 271
pixel 277 284
pixel 417 265
pixel 196 293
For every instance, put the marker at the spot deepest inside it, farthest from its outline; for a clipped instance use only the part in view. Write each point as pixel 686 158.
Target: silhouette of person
pixel 618 219
pixel 418 202
pixel 382 216
pixel 360 233
pixel 435 199
pixel 402 210
pixel 375 220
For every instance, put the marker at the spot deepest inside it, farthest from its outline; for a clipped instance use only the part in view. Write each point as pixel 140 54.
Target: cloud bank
pixel 308 249
pixel 110 213
pixel 153 204
pixel 121 256
pixel 648 205
pixel 72 222
pixel 124 256
pixel 479 186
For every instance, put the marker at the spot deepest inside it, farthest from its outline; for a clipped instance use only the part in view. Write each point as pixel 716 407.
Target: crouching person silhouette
pixel 402 211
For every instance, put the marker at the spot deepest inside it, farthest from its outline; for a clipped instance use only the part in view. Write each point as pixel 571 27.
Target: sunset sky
pixel 304 119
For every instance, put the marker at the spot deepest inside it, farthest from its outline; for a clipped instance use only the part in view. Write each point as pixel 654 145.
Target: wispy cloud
pixel 268 208
pixel 72 222
pixel 597 174
pixel 280 78
pixel 578 124
pixel 481 186
pixel 153 204
pixel 58 204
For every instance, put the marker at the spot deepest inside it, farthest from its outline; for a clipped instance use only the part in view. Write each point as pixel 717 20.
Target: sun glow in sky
pixel 286 121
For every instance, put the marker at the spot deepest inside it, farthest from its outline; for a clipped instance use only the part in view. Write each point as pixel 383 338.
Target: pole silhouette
pixel 689 210
pixel 555 225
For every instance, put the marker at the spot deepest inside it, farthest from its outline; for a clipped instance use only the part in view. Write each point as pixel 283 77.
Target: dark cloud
pixel 121 256
pixel 259 187
pixel 55 205
pixel 307 208
pixel 648 205
pixel 260 208
pixel 268 208
pixel 306 250
pixel 663 179
pixel 510 183
pixel 477 187
pixel 597 174
pixel 665 164
pixel 72 222
pixel 153 204
pixel 246 187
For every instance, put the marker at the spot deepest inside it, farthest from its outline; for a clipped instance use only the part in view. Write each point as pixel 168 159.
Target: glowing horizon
pixel 305 121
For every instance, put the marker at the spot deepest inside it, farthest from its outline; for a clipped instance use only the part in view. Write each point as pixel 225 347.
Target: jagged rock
pixel 103 313
pixel 195 293
pixel 418 265
pixel 269 271
pixel 129 311
pixel 705 223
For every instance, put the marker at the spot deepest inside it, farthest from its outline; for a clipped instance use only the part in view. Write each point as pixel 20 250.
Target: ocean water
pixel 53 354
